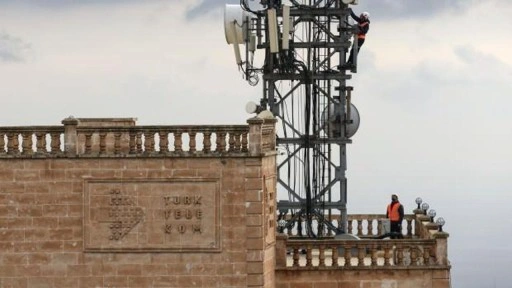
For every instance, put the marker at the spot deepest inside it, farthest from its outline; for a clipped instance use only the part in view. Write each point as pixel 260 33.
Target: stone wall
pixel 112 223
pixel 371 278
pixel 144 219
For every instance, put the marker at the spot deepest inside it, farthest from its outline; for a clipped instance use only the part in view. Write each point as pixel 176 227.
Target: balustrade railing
pixel 73 140
pixel 363 226
pixel 360 253
pixel 163 140
pixel 423 245
pixel 31 141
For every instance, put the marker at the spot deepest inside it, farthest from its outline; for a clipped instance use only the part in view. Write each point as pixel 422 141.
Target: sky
pixel 433 91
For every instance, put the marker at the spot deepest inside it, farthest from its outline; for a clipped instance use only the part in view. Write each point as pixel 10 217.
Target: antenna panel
pixel 234 14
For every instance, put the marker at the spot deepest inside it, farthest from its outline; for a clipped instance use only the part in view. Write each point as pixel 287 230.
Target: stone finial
pixel 71 120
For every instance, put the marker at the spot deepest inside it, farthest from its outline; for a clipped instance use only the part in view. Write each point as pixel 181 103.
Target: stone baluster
pixel 221 141
pixel 399 256
pixel 138 142
pixel 103 143
pixel 238 142
pixel 347 255
pixel 361 253
pixel 2 143
pixel 409 227
pixel 231 142
pixel 309 256
pixel 117 143
pixel 55 145
pixel 70 136
pixel 163 144
pixel 387 255
pixel 12 145
pixel 40 142
pixel 359 227
pixel 335 256
pixel 370 227
pixel 349 226
pixel 26 145
pixel 296 256
pixel 88 143
pixel 133 142
pixel 245 142
pixel 192 142
pixel 178 142
pixel 149 142
pixel 373 251
pixel 207 142
pixel 426 255
pixel 321 256
pixel 380 227
pixel 414 256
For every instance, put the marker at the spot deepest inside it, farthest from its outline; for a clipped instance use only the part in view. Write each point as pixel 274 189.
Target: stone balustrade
pixel 361 225
pixel 423 246
pixel 31 141
pixel 360 253
pixel 74 140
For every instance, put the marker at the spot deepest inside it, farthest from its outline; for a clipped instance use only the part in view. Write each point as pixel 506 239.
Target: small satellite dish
pixel 233 23
pixel 332 124
pixel 251 107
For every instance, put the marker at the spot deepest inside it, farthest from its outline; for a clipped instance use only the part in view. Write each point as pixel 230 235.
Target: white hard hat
pixel 366 15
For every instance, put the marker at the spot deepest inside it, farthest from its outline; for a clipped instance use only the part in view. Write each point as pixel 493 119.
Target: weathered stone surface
pixel 148 215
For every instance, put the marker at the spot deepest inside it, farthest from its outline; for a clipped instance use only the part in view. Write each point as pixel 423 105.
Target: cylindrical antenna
pixel 272 31
pixel 286 27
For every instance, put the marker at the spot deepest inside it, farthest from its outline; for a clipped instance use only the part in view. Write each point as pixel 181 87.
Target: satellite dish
pixel 331 123
pixel 233 23
pixel 251 107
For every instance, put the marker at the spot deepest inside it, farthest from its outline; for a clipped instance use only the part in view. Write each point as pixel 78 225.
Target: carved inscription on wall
pixel 152 215
pixel 123 215
pixel 183 214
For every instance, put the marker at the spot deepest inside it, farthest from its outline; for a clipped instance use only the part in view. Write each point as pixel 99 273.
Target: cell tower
pixel 305 43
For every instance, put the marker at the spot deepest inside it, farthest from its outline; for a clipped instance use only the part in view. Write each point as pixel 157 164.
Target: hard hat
pixel 365 15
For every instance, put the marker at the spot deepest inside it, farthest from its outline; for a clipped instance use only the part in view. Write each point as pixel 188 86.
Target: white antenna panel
pixel 234 14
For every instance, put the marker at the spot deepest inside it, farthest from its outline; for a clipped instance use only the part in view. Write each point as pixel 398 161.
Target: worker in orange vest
pixel 395 213
pixel 364 25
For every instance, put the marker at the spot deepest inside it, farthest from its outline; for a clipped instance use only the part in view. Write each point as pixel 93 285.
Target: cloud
pixel 382 9
pixel 207 6
pixel 13 49
pixel 386 9
pixel 65 3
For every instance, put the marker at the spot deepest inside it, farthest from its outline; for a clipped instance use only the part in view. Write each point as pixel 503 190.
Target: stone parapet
pixel 82 137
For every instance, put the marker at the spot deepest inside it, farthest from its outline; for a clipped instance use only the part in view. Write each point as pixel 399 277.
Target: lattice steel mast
pixel 305 43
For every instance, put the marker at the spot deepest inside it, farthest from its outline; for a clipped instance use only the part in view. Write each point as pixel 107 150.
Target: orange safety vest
pixel 362 35
pixel 393 212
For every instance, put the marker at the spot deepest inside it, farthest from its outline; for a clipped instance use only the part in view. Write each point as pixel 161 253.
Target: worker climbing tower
pixel 304 44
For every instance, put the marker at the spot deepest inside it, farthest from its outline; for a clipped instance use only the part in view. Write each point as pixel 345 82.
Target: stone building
pixel 107 203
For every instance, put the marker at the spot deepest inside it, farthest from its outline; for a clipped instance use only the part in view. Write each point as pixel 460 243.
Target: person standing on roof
pixel 395 213
pixel 363 23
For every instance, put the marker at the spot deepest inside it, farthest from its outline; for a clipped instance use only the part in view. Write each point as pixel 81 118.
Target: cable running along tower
pixel 305 42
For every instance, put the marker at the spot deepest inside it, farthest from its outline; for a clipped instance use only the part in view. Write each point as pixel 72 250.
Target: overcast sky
pixel 433 90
